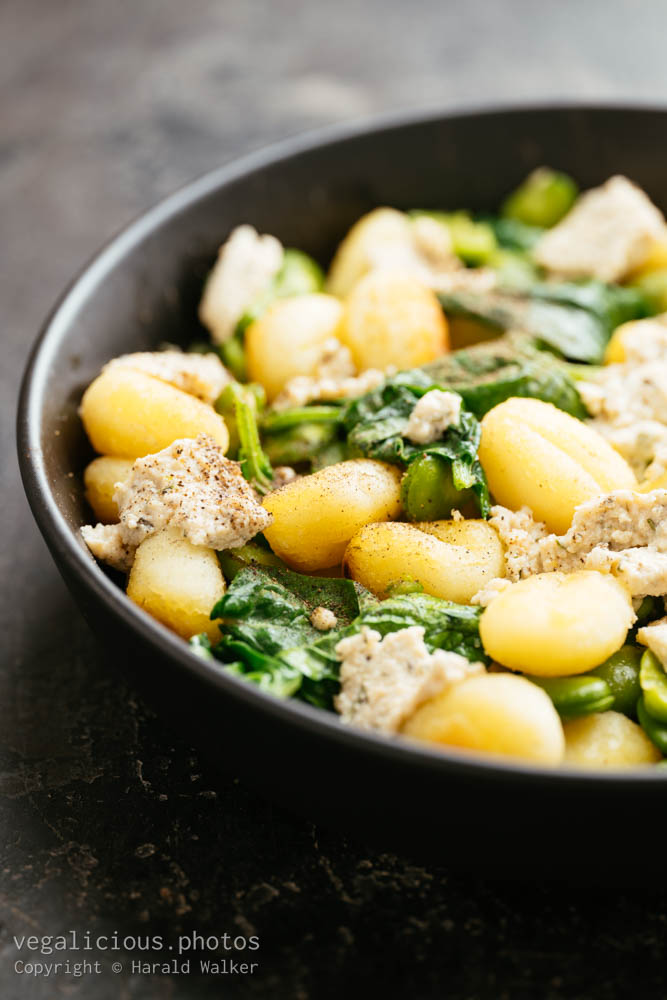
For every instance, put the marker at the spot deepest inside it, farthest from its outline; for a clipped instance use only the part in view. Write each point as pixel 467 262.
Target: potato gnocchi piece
pixel 557 624
pixel 608 739
pixel 450 559
pixel 100 479
pixel 537 456
pixel 315 516
pixel 493 713
pixel 129 414
pixel 177 582
pixel 393 319
pixel 296 336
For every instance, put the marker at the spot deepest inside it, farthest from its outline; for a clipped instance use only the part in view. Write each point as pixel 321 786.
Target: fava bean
pixel 621 672
pixel 653 681
pixel 576 696
pixel 656 731
pixel 428 492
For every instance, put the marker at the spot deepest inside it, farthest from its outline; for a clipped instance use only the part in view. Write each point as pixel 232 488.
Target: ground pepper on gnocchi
pixel 426 490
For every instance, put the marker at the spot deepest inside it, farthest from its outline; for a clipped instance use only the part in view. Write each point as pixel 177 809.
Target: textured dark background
pixel 108 821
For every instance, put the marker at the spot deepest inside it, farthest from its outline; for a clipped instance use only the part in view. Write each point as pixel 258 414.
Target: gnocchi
pixel 537 456
pixel 448 559
pixel 314 518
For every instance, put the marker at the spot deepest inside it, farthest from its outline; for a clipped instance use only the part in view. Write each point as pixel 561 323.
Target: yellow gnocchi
pixel 393 319
pixel 493 713
pixel 315 517
pixel 449 559
pixel 129 414
pixel 557 624
pixel 536 455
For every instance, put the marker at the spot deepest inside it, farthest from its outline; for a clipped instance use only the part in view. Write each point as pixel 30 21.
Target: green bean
pixel 428 492
pixel 232 353
pixel 300 444
pixel 653 682
pixel 281 420
pixel 543 199
pixel 621 672
pixel 656 731
pixel 576 696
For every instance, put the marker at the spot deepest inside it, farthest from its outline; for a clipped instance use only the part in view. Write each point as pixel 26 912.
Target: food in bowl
pixel 426 491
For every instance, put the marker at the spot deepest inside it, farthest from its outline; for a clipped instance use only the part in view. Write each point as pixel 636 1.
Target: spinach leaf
pixel 610 304
pixel 269 607
pixel 268 639
pixel 573 332
pixel 489 373
pixel 374 424
pixel 446 625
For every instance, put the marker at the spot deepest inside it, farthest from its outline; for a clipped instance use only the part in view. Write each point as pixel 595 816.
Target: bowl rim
pixel 81 564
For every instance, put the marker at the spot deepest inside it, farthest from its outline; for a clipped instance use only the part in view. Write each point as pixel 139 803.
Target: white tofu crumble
pixel 246 265
pixel 189 486
pixel 433 414
pixel 200 375
pixel 644 339
pixel 383 681
pixel 520 535
pixel 106 543
pixel 655 637
pixel 494 588
pixel 323 619
pixel 304 389
pixel 623 533
pixel 608 233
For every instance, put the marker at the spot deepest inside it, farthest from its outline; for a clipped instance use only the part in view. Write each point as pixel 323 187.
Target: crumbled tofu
pixel 456 515
pixel 189 486
pixel 282 475
pixel 433 414
pixel 608 233
pixel 520 535
pixel 383 681
pixel 655 637
pixel 246 265
pixel 642 571
pixel 201 375
pixel 645 339
pixel 490 591
pixel 619 520
pixel 323 619
pixel 629 407
pixel 304 389
pixel 106 543
pixel 623 533
pixel 421 247
pixel 192 486
pixel 335 361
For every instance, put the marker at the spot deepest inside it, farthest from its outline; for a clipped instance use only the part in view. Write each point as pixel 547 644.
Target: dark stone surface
pixel 109 823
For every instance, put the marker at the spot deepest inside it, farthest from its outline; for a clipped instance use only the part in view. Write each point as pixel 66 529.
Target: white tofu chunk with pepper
pixel 200 375
pixel 608 233
pixel 189 486
pixel 246 265
pixel 383 680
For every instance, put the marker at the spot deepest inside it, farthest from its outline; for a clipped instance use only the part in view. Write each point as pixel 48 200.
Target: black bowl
pixel 143 289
